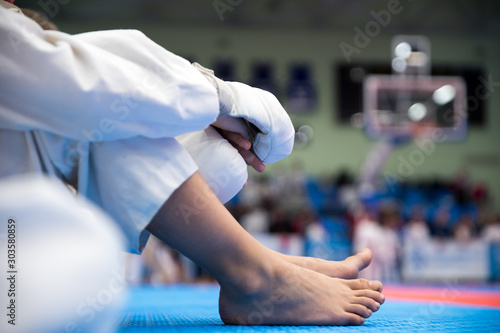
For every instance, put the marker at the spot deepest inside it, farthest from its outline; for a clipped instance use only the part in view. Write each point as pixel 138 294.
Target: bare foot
pixel 346 269
pixel 297 296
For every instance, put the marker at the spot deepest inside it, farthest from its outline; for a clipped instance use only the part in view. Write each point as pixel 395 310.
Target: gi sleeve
pixel 97 86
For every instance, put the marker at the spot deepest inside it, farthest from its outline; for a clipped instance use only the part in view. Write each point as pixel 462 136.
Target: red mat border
pixel 445 294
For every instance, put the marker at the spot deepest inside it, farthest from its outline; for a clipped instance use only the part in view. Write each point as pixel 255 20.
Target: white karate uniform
pixel 100 110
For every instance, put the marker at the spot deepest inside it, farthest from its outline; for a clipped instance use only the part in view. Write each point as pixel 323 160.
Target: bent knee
pixel 219 163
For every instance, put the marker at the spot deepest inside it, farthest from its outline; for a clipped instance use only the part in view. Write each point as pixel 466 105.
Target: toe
pixel 360 310
pixel 348 269
pixel 353 319
pixel 368 302
pixel 359 284
pixel 374 295
pixel 361 260
pixel 356 263
pixel 376 285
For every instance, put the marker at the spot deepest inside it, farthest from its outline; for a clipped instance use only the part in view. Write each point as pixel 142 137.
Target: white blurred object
pixel 399 64
pixel 161 264
pixel 403 50
pixel 444 95
pixel 446 260
pixel 414 52
pixel 371 169
pixel 68 259
pixel 316 232
pixel 387 252
pixel 417 231
pixel 491 233
pixel 417 112
pixel 256 221
pixel 134 267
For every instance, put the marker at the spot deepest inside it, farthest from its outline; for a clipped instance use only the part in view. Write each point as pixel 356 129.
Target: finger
pixel 252 160
pixel 232 124
pixel 243 145
pixel 236 139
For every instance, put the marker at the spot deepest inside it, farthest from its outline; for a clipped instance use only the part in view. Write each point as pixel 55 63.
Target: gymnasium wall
pixel 335 145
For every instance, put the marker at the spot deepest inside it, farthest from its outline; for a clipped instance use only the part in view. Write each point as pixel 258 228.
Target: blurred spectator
pixel 347 190
pixel 279 221
pixel 417 229
pixel 162 266
pixel 256 220
pixel 316 232
pixel 301 220
pixel 389 245
pixel 368 233
pixel 464 232
pixel 251 195
pixel 440 227
pixel 491 231
pixel 289 189
pixel 483 218
pixel 479 193
pixel 159 264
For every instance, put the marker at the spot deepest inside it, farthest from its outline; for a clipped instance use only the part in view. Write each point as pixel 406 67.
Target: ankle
pixel 250 279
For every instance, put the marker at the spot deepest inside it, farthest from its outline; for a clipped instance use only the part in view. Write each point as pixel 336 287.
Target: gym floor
pixel 193 308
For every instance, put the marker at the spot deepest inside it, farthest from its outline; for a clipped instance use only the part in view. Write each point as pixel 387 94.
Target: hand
pixel 264 120
pixel 240 143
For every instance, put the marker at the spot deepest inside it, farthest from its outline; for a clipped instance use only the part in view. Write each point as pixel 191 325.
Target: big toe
pixel 361 260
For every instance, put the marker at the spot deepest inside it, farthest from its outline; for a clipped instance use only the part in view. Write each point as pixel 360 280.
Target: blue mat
pixel 187 308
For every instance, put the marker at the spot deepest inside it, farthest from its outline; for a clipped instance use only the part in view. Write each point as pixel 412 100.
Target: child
pixel 130 99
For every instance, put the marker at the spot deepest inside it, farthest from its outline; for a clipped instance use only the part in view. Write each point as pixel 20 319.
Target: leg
pixel 225 171
pixel 257 285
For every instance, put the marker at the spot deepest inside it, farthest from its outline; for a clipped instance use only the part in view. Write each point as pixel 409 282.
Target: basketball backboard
pixel 399 106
